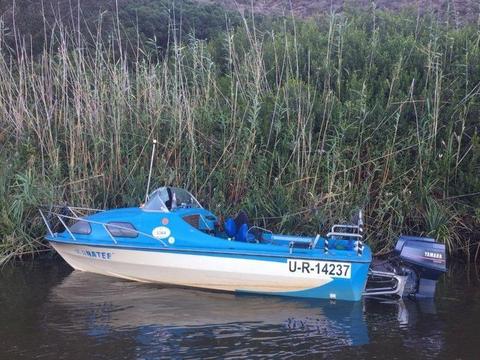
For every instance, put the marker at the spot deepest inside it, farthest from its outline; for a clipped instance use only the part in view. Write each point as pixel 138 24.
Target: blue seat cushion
pixel 230 227
pixel 243 234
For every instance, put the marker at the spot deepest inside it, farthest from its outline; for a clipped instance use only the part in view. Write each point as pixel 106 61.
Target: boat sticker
pixel 102 255
pixel 322 268
pixel 171 240
pixel 161 232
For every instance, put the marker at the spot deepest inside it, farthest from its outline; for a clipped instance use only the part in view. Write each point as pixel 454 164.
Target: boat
pixel 172 239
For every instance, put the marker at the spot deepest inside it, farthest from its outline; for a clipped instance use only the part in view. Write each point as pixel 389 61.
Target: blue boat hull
pixel 289 275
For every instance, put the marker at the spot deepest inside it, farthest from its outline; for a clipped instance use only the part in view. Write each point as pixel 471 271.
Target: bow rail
pixel 64 219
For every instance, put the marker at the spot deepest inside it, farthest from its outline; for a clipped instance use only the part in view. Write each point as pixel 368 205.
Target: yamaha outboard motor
pixel 426 258
pixel 412 269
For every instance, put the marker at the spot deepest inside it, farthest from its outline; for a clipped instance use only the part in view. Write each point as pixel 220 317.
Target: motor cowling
pixel 426 257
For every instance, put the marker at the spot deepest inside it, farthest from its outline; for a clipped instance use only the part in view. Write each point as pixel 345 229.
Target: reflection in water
pixel 47 311
pixel 418 326
pixel 99 305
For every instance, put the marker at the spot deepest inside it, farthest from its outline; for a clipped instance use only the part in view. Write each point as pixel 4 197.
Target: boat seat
pixel 230 227
pixel 238 228
pixel 243 234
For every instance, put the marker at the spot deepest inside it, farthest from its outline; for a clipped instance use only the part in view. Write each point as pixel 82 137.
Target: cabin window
pixel 122 229
pixel 193 220
pixel 81 227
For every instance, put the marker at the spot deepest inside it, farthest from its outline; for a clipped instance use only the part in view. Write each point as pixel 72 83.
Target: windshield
pixel 166 199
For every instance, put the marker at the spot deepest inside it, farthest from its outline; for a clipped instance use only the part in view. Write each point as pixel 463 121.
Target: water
pixel 48 311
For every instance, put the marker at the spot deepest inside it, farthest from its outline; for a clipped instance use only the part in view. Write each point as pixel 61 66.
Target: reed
pixel 300 122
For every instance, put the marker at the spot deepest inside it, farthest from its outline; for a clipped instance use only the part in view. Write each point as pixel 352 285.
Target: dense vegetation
pixel 152 23
pixel 299 122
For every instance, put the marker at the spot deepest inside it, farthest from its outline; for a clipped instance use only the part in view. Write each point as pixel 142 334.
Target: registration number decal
pixel 326 268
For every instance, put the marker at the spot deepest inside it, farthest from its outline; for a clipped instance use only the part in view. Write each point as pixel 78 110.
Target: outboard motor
pixel 423 260
pixel 412 269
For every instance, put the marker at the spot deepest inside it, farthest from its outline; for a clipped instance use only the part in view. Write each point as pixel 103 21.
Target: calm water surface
pixel 48 311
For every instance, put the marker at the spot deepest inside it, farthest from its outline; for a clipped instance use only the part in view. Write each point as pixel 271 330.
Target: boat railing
pixel 62 217
pixel 74 210
pixel 341 231
pixel 61 213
